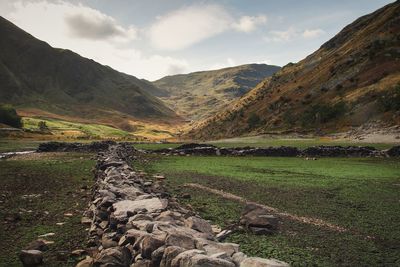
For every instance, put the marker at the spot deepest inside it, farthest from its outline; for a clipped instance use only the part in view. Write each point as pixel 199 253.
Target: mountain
pixel 353 79
pixel 35 76
pixel 200 94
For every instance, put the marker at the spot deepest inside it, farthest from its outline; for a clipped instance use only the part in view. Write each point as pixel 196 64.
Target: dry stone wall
pixel 283 151
pixel 134 222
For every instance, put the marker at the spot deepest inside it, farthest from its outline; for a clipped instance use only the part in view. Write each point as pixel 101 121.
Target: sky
pixel 152 39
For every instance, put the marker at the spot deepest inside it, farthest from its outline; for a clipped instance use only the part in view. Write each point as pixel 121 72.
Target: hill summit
pixel 353 79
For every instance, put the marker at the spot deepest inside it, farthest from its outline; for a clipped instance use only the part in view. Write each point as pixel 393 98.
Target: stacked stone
pixel 135 223
pixel 283 151
pixel 74 147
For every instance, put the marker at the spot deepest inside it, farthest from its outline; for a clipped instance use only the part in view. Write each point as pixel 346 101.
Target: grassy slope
pixel 36 76
pixel 58 178
pixel 359 67
pixel 359 194
pixel 200 94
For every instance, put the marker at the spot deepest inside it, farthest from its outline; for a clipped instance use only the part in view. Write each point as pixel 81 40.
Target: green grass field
pixel 262 141
pixel 266 141
pixel 12 145
pixel 361 195
pixel 75 129
pixel 58 179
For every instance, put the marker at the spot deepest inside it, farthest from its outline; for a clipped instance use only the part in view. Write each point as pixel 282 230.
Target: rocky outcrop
pixel 135 223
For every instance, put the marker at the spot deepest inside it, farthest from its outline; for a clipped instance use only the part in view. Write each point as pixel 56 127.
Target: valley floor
pixel 354 201
pixel 359 197
pixel 37 191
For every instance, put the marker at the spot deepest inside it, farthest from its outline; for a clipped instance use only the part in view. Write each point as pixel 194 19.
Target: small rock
pixel 160 177
pixel 216 229
pixel 31 257
pixel 87 262
pixel 86 220
pixel 68 214
pixel 48 235
pixel 78 252
pixel 186 196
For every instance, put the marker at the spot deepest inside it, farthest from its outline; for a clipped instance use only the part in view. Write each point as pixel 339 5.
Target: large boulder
pixel 258 219
pixel 199 224
pixel 150 243
pixel 207 261
pixel 113 257
pixel 180 240
pixel 169 254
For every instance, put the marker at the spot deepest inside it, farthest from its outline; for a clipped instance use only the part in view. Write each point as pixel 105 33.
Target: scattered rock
pixel 87 262
pixel 258 220
pixel 31 257
pixel 86 220
pixel 47 235
pixel 186 196
pixel 78 252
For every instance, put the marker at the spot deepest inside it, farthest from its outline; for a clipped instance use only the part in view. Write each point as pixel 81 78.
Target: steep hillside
pixel 34 75
pixel 200 94
pixel 352 79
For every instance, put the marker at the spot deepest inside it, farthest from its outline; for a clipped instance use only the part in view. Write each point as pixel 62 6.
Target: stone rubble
pixel 135 223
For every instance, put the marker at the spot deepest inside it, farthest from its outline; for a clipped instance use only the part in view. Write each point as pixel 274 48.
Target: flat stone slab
pixel 121 208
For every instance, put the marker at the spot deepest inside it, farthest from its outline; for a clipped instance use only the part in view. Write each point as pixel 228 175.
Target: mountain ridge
pixel 35 75
pixel 199 94
pixel 349 81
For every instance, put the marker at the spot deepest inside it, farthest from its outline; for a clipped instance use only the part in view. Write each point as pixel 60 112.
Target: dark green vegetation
pixel 9 116
pixel 390 101
pixel 12 145
pixel 200 94
pixel 320 113
pixel 361 195
pixel 36 75
pixel 59 179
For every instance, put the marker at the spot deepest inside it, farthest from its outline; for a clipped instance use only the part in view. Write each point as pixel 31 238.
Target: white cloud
pixel 312 33
pixel 249 23
pixel 187 26
pixel 290 34
pixel 88 23
pixel 101 38
pixel 281 36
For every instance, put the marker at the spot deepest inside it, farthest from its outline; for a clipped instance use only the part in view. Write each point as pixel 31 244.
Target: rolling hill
pixel 353 79
pixel 41 80
pixel 200 94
